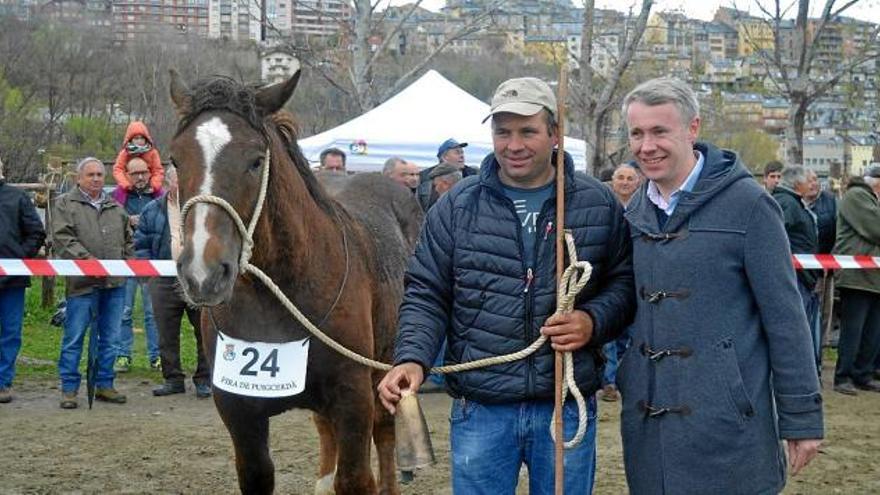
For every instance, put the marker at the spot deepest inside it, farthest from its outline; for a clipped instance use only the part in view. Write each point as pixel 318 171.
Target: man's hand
pixel 401 377
pixel 800 453
pixel 133 221
pixel 569 331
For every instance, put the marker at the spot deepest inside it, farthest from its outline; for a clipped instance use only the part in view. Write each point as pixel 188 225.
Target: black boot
pixel 169 388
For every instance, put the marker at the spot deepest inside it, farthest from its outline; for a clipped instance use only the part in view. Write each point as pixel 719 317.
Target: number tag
pixel 260 369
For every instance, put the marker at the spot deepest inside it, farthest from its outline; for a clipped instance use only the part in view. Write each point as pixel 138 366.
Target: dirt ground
pixel 178 445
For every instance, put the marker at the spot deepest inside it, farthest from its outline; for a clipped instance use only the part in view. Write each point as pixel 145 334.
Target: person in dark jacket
pixel 858 232
pixel 824 205
pixel 21 236
pixel 451 152
pixel 134 200
pixel 483 275
pixel 803 238
pixel 158 238
pixel 720 367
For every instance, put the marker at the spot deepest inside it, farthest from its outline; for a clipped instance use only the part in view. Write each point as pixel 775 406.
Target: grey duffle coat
pixel 721 365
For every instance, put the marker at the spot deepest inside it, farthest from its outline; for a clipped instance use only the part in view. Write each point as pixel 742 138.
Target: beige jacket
pixel 80 231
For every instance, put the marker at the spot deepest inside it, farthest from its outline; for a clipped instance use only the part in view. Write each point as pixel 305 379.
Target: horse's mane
pixel 221 93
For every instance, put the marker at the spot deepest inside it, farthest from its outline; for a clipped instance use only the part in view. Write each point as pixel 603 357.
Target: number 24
pixel 270 364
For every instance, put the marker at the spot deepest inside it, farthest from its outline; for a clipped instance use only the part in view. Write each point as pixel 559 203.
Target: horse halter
pixel 247 233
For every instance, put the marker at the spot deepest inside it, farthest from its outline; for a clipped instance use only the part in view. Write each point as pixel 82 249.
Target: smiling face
pixel 523 147
pixel 662 143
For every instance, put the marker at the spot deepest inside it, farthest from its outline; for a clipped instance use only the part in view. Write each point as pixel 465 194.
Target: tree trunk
pixel 794 129
pixel 361 73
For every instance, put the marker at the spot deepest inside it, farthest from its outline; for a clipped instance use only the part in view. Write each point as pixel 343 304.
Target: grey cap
pixel 443 169
pixel 523 96
pixel 873 171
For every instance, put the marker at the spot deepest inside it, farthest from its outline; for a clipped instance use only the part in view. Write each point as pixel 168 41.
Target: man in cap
pixel 444 176
pixel 484 278
pixel 451 152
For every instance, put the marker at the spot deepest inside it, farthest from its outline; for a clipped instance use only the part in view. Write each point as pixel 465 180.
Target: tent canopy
pixel 412 124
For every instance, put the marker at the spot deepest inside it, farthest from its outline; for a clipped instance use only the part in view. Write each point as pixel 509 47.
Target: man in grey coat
pixel 721 365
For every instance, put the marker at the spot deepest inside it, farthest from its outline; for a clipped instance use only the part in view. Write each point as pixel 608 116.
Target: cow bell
pixel 413 441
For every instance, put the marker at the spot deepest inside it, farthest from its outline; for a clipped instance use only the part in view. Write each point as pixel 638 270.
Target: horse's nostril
pixel 225 270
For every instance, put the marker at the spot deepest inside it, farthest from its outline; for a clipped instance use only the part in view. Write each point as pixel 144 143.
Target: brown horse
pixel 340 261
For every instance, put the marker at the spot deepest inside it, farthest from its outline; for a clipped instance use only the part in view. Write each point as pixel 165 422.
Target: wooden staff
pixel 560 267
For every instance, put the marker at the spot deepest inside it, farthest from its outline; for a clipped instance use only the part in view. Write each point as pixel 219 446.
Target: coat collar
pixel 721 169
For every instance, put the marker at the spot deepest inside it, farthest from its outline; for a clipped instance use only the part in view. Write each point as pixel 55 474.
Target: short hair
pixel 332 151
pixel 606 174
pixel 773 166
pixel 391 164
pixel 792 175
pixel 664 90
pixel 80 165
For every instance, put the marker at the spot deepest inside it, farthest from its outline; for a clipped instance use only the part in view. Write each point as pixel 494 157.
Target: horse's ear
pixel 179 93
pixel 272 98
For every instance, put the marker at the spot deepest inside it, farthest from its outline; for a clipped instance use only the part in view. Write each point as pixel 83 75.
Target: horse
pixel 339 259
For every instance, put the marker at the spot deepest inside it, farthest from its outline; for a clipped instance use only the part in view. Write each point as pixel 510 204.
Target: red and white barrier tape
pixel 168 268
pixel 835 262
pixel 88 268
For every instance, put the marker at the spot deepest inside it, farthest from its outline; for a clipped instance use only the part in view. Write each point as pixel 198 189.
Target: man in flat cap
pixel 450 152
pixel 484 278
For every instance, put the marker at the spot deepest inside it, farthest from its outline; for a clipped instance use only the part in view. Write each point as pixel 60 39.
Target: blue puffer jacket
pixel 468 281
pixel 152 239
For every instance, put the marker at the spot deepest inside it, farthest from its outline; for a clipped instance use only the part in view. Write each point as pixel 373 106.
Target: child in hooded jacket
pixel 138 142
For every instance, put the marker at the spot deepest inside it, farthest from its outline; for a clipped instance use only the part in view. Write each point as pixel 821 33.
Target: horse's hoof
pixel 324 486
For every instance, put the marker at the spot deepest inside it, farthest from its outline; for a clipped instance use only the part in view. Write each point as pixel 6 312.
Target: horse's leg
pixel 250 437
pixel 383 437
pixel 327 466
pixel 352 418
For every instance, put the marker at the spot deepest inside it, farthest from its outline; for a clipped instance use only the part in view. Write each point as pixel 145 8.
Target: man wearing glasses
pixel 134 200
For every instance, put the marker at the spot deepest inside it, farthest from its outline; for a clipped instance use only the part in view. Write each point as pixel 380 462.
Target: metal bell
pixel 412 439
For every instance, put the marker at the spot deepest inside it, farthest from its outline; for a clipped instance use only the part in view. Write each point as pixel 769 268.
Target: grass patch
pixel 41 342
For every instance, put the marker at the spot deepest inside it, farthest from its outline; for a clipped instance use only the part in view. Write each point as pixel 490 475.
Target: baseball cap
pixel 523 96
pixel 443 169
pixel 873 171
pixel 448 145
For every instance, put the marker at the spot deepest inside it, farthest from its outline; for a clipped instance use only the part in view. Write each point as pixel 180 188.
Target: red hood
pixel 135 128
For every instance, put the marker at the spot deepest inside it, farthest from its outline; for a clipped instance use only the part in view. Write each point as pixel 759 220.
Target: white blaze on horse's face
pixel 212 136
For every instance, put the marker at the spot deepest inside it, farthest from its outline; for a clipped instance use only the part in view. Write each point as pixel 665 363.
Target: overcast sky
pixel 868 10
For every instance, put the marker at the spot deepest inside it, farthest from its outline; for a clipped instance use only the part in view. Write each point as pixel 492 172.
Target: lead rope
pixel 573 280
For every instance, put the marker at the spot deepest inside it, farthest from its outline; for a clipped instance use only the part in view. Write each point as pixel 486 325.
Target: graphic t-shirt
pixel 528 203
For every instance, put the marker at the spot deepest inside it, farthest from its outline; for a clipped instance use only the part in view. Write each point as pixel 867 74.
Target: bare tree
pixel 798 79
pixel 597 92
pixel 354 71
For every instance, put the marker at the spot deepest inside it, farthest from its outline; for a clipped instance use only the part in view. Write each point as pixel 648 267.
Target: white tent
pixel 412 124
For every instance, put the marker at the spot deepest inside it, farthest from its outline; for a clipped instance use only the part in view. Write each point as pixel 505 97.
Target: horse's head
pixel 220 150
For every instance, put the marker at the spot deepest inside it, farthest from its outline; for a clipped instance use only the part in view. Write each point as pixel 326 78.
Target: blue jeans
pixel 100 309
pixel 11 316
pixel 126 337
pixel 812 308
pixel 490 442
pixel 613 351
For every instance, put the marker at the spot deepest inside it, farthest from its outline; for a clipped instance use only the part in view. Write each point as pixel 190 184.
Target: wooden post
pixel 559 479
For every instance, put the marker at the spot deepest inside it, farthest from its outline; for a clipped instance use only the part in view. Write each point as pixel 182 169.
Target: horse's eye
pixel 257 164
